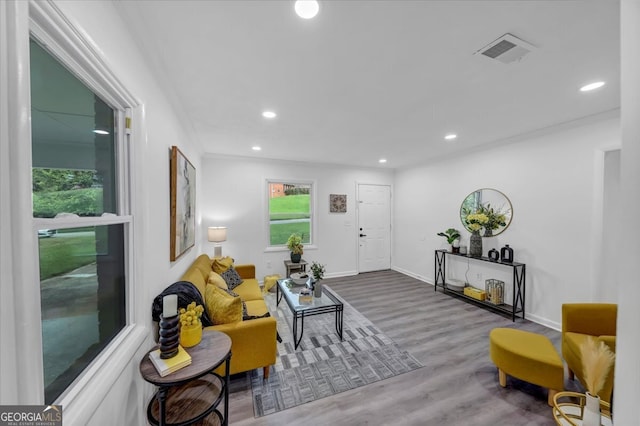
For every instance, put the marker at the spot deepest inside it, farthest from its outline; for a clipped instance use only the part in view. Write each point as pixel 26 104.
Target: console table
pixel 518 283
pixel 194 392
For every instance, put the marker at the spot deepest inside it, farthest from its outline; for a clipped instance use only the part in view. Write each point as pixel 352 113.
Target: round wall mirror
pixel 491 202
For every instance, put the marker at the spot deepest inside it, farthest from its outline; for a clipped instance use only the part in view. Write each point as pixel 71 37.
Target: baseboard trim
pixel 412 275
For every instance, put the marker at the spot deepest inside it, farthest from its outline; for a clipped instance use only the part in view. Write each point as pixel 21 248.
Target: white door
pixel 374 227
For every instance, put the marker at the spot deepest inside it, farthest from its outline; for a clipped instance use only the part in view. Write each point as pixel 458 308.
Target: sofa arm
pixel 596 319
pixel 253 343
pixel 246 271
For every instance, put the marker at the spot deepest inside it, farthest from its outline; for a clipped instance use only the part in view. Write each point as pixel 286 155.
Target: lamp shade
pixel 217 234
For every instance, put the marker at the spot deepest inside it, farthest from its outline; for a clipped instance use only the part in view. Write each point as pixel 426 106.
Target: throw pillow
pixel 221 264
pixel 216 279
pixel 232 278
pixel 269 282
pixel 222 308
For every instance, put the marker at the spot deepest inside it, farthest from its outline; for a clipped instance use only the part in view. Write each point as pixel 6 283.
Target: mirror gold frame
pixel 488 198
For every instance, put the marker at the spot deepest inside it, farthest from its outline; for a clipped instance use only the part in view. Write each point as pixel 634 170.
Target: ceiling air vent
pixel 506 49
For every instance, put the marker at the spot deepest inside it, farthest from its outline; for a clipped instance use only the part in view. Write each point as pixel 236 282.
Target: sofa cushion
pixel 222 307
pixel 216 279
pixel 202 264
pixel 221 264
pixel 249 290
pixel 232 278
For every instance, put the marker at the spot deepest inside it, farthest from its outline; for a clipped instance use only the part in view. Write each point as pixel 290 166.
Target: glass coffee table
pixel 327 303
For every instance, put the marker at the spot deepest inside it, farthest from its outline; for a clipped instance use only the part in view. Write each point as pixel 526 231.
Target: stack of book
pixel 170 365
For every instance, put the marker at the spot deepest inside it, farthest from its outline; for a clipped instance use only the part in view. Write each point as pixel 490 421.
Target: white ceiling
pixel 372 79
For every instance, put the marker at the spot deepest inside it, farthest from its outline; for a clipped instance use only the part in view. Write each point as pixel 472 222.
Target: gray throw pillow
pixel 231 277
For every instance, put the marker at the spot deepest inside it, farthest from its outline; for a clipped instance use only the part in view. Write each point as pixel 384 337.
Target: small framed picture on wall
pixel 337 203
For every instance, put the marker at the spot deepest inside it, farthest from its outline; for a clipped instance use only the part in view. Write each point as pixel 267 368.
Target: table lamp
pixel 217 234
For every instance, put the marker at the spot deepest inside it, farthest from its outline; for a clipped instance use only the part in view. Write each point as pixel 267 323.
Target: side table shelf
pixel 194 393
pixel 518 283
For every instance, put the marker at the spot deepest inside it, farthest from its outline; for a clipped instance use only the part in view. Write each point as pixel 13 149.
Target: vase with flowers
pixel 475 222
pixel 294 244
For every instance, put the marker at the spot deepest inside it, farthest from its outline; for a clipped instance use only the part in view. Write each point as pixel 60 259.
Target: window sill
pixel 83 397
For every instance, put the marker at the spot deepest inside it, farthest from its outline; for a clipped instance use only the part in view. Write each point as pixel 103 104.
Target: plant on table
pixel 317 270
pixel 294 243
pixel 452 235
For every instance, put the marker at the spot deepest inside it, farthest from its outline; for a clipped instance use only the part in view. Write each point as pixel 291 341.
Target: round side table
pixel 569 411
pixel 194 392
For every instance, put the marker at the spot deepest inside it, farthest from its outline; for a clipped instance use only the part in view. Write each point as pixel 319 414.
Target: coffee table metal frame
pixel 327 303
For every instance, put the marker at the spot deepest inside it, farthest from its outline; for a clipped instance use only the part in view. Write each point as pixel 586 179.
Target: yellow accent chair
pixel 579 321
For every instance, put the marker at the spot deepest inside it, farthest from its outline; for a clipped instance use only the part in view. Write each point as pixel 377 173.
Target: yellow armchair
pixel 579 321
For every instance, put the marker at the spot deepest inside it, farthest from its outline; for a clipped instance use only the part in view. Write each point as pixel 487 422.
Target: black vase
pixel 494 255
pixel 506 253
pixel 295 258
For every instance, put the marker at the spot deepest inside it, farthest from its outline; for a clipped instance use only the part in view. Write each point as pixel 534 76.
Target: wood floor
pixel 457 386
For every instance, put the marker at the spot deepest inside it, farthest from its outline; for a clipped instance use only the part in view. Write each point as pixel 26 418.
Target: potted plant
pixel 452 235
pixel 317 272
pixel 294 244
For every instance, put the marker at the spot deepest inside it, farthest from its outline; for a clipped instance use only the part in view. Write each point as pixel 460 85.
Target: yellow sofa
pixel 579 321
pixel 253 342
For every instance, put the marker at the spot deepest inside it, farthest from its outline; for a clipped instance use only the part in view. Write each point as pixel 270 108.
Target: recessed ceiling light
pixel 269 114
pixel 307 9
pixel 451 136
pixel 256 148
pixel 101 132
pixel 592 86
pixel 382 160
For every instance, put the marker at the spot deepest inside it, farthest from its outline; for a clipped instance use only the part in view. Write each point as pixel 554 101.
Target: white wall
pixel 554 182
pixel 234 195
pixel 119 396
pixel 627 379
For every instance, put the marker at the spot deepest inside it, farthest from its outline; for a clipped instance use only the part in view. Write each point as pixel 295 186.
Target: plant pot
pixel 190 335
pixel 295 258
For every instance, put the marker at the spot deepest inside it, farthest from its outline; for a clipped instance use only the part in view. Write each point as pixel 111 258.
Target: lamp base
pixel 217 250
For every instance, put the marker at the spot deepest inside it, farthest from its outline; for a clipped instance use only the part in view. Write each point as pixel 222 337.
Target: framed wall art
pixel 183 203
pixel 337 203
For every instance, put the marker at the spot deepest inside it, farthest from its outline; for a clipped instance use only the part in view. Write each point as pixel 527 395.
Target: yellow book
pixel 170 365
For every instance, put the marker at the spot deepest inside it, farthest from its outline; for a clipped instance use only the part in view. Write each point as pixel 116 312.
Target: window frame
pixel 311 245
pixel 48 26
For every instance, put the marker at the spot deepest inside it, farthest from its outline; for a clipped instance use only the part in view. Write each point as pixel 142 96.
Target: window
pixel 80 210
pixel 290 211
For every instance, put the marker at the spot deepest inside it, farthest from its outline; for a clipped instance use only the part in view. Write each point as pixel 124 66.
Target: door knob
pixel 362 235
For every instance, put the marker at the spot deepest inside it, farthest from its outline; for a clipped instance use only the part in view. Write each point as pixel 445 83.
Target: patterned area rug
pixel 323 365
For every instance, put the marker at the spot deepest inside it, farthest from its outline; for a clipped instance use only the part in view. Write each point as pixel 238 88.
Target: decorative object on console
pixel 495 291
pixel 337 203
pixel 294 244
pixel 493 204
pixel 597 360
pixel 190 325
pixel 474 222
pixel 475 244
pixel 217 235
pixel 169 332
pixel 506 254
pixel 493 255
pixel 183 204
pixel 452 235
